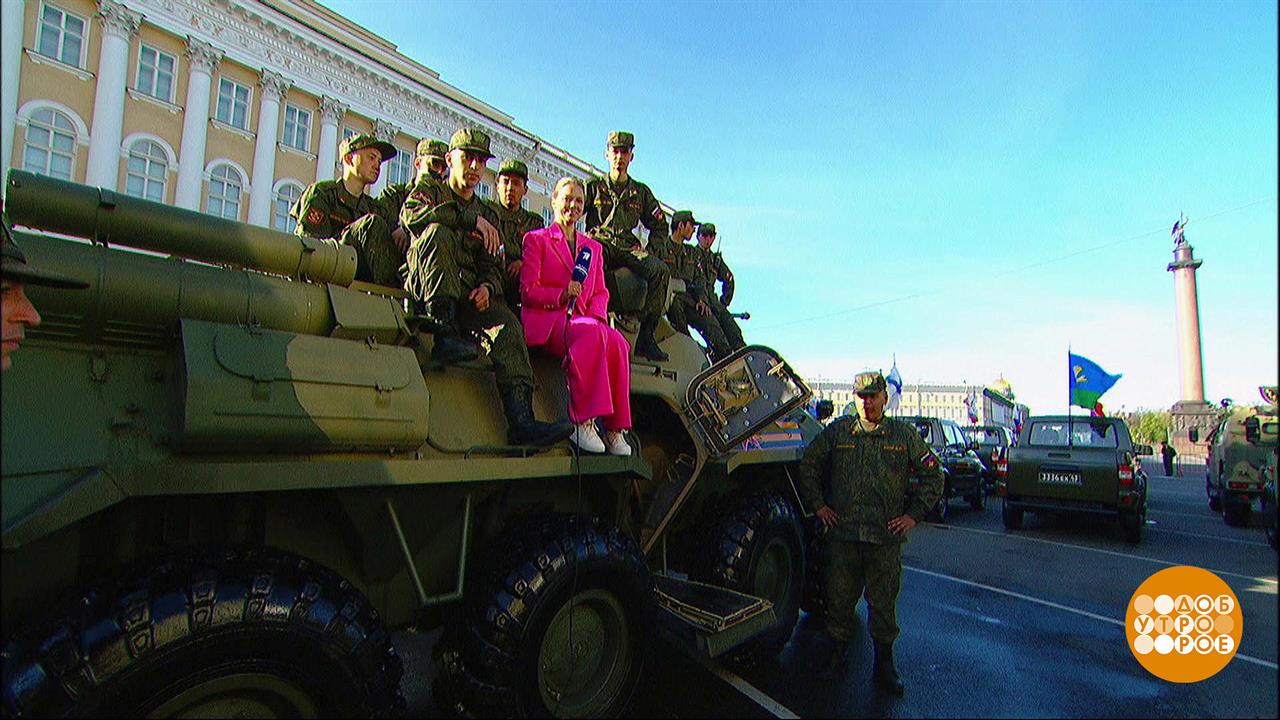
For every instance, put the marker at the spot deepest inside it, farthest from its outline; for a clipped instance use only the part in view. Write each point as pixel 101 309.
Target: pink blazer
pixel 547 270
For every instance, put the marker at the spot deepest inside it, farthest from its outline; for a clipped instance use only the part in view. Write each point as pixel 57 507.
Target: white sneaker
pixel 617 443
pixel 585 437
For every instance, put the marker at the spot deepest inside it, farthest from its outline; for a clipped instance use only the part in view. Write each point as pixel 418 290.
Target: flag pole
pixel 1070 383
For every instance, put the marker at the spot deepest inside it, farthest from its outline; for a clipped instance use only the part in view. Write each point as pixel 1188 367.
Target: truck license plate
pixel 1060 478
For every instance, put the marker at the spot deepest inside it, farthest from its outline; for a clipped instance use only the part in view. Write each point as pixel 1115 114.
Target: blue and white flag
pixel 971 404
pixel 895 387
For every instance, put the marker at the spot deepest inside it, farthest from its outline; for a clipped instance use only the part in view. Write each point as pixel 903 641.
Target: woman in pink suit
pixel 596 357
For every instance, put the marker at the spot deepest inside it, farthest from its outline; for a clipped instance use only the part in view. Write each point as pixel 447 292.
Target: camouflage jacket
pixel 512 225
pixel 392 201
pixel 613 212
pixel 863 477
pixel 326 209
pixel 432 202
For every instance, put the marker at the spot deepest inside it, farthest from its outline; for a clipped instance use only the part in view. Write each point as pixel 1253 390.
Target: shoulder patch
pixel 315 216
pixel 928 460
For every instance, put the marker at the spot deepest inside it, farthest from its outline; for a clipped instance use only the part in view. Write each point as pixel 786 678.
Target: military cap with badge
pixel 681 216
pixel 622 138
pixel 514 167
pixel 360 142
pixel 707 229
pixel 472 139
pixel 432 148
pixel 870 383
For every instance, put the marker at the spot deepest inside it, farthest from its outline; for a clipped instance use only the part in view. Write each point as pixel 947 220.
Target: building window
pixel 348 132
pixel 297 128
pixel 61 35
pixel 486 190
pixel 400 168
pixel 51 144
pixel 233 104
pixel 546 215
pixel 524 203
pixel 224 192
pixel 155 73
pixel 286 196
pixel 147 171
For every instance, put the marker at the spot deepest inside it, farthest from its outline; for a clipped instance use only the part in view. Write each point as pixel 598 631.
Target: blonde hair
pixel 568 180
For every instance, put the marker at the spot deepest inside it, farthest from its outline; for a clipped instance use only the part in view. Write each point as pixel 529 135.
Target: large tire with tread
pixel 1132 525
pixel 1215 500
pixel 814 600
pixel 1236 514
pixel 757 548
pixel 524 649
pixel 208 633
pixel 1011 515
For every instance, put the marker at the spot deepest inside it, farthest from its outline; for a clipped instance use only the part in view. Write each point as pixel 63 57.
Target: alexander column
pixel 1191 412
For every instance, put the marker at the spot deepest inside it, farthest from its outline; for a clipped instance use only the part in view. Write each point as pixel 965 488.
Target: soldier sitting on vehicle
pixel 454 266
pixel 513 222
pixel 340 209
pixel 427 162
pixel 711 268
pixel 690 306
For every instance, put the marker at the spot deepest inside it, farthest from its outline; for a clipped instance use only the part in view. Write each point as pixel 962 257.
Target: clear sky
pixel 969 186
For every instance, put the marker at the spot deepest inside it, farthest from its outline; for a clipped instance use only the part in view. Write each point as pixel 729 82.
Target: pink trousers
pixel 599 369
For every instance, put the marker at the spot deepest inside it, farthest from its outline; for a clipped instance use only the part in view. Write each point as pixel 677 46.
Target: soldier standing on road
pixel 513 222
pixel 17 314
pixel 454 266
pixel 689 307
pixel 712 268
pixel 427 162
pixel 1167 453
pixel 615 204
pixel 340 209
pixel 854 478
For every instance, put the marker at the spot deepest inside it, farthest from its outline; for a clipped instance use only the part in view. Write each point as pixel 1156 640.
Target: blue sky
pixel 970 186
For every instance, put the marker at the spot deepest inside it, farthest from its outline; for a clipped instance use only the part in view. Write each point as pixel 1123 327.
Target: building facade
pixel 928 399
pixel 230 107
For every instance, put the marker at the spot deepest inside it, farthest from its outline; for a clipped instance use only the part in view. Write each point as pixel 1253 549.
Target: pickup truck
pixel 1066 464
pixel 993 442
pixel 960 464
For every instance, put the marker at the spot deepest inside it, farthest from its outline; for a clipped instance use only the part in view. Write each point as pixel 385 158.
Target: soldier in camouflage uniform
pixel 854 478
pixel 513 222
pixel 615 205
pixel 689 307
pixel 427 162
pixel 340 209
pixel 455 268
pixel 714 269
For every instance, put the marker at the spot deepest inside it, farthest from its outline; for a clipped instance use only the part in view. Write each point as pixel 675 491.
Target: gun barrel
pixel 107 217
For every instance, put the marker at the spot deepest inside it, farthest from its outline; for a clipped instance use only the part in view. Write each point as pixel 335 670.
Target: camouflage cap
pixel 682 216
pixel 360 142
pixel 470 139
pixel 13 263
pixel 514 167
pixel 707 229
pixel 869 383
pixel 432 148
pixel 622 138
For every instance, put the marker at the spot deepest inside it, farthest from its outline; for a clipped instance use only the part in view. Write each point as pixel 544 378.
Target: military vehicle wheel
pixel 814 600
pixel 1011 515
pixel 1131 525
pixel 561 633
pixel 978 500
pixel 1236 514
pixel 757 549
pixel 234 633
pixel 1215 503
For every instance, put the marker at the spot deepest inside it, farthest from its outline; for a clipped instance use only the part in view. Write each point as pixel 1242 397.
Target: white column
pixel 12 19
pixel 118 26
pixel 331 112
pixel 272 88
pixel 1184 268
pixel 385 132
pixel 202 58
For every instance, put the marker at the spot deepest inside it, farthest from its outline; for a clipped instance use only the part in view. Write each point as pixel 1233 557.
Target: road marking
pixel 1208 515
pixel 1211 537
pixel 1059 606
pixel 753 693
pixel 1157 561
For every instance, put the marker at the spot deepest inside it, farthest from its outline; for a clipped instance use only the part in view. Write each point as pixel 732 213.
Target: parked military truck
pixel 228 470
pixel 1234 475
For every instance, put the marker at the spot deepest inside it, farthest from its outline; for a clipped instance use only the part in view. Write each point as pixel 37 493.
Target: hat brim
pixel 870 393
pixel 474 148
pixel 517 173
pixel 43 278
pixel 387 149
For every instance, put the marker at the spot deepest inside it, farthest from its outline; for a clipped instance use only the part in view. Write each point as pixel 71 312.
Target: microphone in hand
pixel 581 266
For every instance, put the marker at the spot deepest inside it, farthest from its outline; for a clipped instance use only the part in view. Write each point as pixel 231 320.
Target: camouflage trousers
pixel 439 266
pixel 655 273
pixel 851 568
pixel 684 312
pixel 378 260
pixel 503 336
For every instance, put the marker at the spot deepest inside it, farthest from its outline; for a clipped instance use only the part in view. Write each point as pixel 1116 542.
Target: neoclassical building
pixel 229 107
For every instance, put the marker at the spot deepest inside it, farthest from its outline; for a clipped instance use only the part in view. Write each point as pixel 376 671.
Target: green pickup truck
pixel 1068 464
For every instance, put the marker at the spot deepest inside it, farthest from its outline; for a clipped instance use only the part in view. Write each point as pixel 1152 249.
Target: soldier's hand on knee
pixel 514 268
pixel 703 307
pixel 489 236
pixel 401 238
pixel 901 524
pixel 828 516
pixel 480 296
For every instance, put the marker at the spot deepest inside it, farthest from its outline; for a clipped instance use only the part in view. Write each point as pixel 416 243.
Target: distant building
pixel 929 399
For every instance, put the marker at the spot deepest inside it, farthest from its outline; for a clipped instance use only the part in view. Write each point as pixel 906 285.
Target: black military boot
pixel 837 662
pixel 646 346
pixel 886 675
pixel 449 346
pixel 522 428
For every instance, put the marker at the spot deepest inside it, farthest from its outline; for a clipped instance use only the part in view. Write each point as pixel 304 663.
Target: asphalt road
pixel 996 623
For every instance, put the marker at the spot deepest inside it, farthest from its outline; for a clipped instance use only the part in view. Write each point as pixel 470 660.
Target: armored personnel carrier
pixel 1235 470
pixel 228 470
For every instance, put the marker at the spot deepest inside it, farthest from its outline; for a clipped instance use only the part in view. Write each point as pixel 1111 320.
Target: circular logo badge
pixel 1183 624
